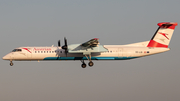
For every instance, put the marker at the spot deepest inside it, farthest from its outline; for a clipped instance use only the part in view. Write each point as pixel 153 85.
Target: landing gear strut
pixel 90 62
pixel 11 63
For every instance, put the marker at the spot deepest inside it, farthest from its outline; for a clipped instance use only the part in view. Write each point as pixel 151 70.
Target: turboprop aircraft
pixel 92 50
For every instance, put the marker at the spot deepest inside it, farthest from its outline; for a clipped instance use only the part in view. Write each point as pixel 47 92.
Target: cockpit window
pixel 17 50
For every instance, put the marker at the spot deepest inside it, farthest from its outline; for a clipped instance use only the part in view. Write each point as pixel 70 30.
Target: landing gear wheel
pixel 90 63
pixel 11 64
pixel 83 65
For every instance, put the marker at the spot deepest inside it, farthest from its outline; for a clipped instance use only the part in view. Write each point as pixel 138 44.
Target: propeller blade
pixel 65 47
pixel 65 41
pixel 59 43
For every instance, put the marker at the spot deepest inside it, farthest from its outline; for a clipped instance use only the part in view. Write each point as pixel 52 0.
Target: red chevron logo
pixel 164 34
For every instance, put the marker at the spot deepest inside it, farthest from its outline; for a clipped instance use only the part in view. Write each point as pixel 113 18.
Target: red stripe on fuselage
pixel 27 49
pixel 153 43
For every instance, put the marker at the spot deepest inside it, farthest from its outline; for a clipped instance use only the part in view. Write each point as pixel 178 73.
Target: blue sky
pixel 114 22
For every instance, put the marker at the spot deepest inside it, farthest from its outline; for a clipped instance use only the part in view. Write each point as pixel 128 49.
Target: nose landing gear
pixel 11 63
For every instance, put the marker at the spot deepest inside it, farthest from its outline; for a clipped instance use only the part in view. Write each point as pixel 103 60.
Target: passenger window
pixel 49 51
pixel 41 51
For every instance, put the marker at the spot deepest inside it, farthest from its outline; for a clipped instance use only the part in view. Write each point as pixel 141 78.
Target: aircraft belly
pixel 94 56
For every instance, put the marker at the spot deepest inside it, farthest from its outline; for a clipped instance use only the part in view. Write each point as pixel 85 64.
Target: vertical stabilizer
pixel 163 34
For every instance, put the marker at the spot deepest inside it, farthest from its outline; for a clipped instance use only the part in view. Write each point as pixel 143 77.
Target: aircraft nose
pixel 6 57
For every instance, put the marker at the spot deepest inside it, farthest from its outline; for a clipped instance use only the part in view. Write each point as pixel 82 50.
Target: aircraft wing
pixel 91 46
pixel 91 43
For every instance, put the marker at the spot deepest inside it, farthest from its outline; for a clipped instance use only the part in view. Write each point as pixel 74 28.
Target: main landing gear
pixel 90 62
pixel 11 63
pixel 84 64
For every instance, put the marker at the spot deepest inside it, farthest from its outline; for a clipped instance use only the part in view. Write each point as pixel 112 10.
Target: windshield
pixel 17 50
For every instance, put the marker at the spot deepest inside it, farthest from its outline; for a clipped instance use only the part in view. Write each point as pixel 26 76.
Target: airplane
pixel 92 50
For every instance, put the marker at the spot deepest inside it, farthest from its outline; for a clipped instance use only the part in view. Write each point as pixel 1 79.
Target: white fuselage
pixel 115 52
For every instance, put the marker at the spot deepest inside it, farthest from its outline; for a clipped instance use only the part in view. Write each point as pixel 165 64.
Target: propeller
pixel 59 43
pixel 57 53
pixel 65 47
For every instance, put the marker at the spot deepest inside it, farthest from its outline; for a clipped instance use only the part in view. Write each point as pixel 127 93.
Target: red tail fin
pixel 163 35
